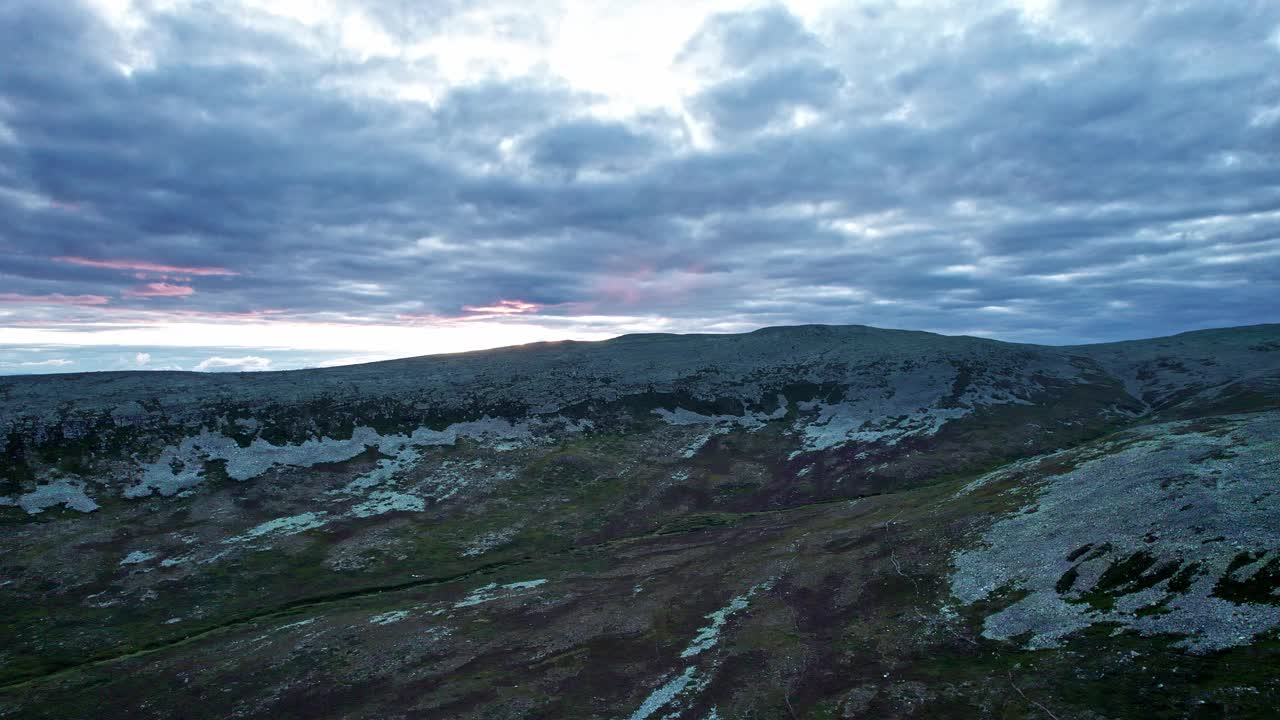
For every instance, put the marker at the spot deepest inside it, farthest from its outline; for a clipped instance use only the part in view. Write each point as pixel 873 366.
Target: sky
pixel 260 185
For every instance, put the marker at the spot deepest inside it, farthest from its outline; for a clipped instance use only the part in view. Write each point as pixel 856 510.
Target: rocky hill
pixel 796 522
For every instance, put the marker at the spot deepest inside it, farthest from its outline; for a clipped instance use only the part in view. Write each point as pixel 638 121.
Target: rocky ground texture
pixel 805 522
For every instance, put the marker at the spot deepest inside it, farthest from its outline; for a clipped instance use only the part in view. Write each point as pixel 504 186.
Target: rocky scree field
pixel 801 522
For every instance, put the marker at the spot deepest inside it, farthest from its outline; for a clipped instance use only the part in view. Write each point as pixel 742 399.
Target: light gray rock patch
pixel 749 419
pixel 387 618
pixel 291 525
pixel 666 693
pixel 67 493
pixel 1170 493
pixel 494 591
pixel 490 541
pixel 709 635
pixel 137 557
pixel 182 467
pixel 680 689
pixel 385 501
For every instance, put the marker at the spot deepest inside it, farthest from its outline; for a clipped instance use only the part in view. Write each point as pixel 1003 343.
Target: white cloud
pixel 52 362
pixel 142 358
pixel 381 339
pixel 247 363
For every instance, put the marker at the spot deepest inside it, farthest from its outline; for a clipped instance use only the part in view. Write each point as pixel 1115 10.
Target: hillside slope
pixel 797 522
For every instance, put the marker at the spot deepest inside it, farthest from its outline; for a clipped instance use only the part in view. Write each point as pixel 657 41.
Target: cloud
pixel 589 143
pixel 759 99
pixel 53 299
pixel 142 358
pixel 248 363
pixel 505 307
pixel 735 40
pixel 160 290
pixel 1095 170
pixel 50 363
pixel 141 265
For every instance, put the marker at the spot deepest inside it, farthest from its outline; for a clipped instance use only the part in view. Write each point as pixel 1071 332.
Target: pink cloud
pixel 160 290
pixel 140 266
pixel 644 283
pixel 54 299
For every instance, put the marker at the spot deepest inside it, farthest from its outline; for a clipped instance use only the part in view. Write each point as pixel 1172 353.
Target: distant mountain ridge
pixel 627 356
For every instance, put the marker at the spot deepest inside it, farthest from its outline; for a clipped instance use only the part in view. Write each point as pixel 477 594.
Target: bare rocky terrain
pixel 800 522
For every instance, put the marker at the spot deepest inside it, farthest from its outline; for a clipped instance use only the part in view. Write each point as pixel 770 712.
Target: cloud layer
pixel 1042 171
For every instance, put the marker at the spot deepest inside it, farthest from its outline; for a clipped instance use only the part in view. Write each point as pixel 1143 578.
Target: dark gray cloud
pixel 736 40
pixel 590 144
pixel 1107 171
pixel 757 100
